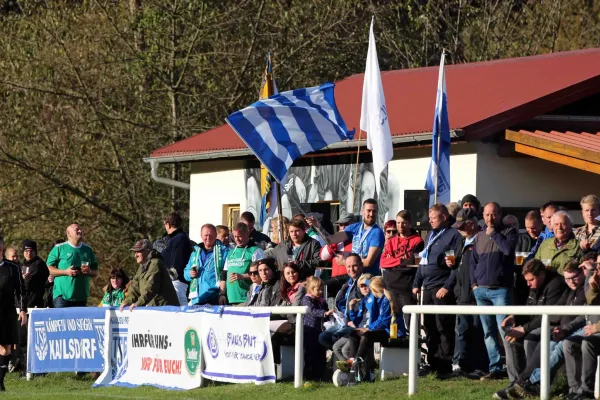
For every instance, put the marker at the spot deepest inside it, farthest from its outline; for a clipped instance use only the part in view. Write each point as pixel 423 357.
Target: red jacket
pixel 398 249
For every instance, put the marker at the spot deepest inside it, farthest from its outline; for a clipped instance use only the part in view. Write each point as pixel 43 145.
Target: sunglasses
pixel 362 286
pixel 391 231
pixel 252 272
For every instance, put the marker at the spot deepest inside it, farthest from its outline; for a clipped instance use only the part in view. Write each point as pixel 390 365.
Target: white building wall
pixel 213 185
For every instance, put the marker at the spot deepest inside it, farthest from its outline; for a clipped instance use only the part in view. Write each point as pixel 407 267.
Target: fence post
pixel 413 354
pixel 545 359
pixel 299 352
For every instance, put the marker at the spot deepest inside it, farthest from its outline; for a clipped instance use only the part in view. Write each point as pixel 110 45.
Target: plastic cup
pixel 450 256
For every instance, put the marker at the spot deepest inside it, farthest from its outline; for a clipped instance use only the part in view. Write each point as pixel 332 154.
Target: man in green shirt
pixel 235 280
pixel 72 264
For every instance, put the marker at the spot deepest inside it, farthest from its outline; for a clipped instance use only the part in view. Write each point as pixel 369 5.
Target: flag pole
pixel 279 212
pixel 437 156
pixel 356 171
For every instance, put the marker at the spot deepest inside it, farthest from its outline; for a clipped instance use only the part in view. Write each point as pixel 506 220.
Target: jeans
pixel 581 354
pixel 331 335
pixel 557 357
pixel 491 328
pixel 59 302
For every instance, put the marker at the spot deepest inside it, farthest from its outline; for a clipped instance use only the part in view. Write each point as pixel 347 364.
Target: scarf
pixel 217 249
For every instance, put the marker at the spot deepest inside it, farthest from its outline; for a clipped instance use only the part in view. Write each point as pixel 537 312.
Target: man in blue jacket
pixel 492 277
pixel 438 281
pixel 178 250
pixel 204 267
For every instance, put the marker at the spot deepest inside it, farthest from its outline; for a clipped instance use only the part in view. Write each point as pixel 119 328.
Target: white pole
pixel 29 375
pixel 413 354
pixel 299 352
pixel 545 359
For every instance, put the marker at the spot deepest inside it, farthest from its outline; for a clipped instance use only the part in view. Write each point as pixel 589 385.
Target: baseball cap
pixel 464 215
pixel 346 218
pixel 141 245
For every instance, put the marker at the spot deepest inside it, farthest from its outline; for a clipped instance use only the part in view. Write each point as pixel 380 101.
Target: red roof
pixel 483 98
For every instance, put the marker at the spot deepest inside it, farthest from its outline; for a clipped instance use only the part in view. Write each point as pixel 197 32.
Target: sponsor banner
pixel 158 347
pixel 236 344
pixel 66 340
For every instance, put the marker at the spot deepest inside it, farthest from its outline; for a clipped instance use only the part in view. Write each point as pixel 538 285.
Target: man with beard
pixel 152 285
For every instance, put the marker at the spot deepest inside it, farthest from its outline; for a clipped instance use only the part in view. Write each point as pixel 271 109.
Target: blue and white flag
pixel 439 192
pixel 288 125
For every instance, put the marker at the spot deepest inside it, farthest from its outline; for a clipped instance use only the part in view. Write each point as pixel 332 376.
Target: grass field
pixel 67 386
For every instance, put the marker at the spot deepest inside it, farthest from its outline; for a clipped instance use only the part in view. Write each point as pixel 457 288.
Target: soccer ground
pixel 67 386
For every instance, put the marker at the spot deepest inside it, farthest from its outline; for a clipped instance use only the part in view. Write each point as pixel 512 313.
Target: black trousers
pixel 283 336
pixel 440 332
pixel 362 344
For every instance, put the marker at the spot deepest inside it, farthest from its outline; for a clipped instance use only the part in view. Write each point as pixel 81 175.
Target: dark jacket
pixel 548 294
pixel 177 253
pixel 152 284
pixel 436 273
pixel 12 287
pixel 462 290
pixel 269 294
pixel 313 320
pixel 35 281
pixel 259 237
pixel 571 323
pixel 307 259
pixel 493 258
pixel 348 292
pixel 525 243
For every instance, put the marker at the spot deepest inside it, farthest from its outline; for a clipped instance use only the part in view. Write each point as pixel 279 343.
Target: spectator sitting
pixel 114 291
pixel 527 384
pixel 563 246
pixel 256 282
pixel 361 313
pixel 151 285
pixel 269 294
pixel 205 266
pixel 178 249
pixel 180 287
pixel 397 254
pixel 522 331
pixel 300 248
pixel 314 353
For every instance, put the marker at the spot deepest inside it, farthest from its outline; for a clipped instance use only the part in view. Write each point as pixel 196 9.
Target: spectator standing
pixel 73 264
pixel 556 251
pixel 35 275
pixel 534 228
pixel 152 285
pixel 492 279
pixel 589 233
pixel 205 266
pixel 343 222
pixel 223 234
pixel 235 280
pixel 314 353
pixel 468 345
pixel 437 281
pixel 367 238
pixel 300 248
pixel 260 239
pixel 389 230
pixel 546 212
pixel 180 287
pixel 397 255
pixel 179 247
pixel 11 287
pixel 12 255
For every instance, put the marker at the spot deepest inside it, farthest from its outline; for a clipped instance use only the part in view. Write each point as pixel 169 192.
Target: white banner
pixel 236 344
pixel 158 348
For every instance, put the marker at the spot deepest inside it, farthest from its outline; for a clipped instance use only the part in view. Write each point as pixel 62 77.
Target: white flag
pixel 373 116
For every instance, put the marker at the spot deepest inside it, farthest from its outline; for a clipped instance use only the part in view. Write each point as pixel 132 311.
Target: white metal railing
pixel 544 311
pixel 281 310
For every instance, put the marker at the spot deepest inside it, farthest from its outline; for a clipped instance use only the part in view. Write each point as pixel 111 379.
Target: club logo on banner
pixel 66 340
pixel 192 351
pixel 237 339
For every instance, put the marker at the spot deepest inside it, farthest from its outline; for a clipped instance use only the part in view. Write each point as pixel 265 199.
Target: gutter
pixel 218 154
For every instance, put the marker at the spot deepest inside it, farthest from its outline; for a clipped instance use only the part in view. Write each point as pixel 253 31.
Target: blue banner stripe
pixel 235 376
pixel 306 124
pixel 280 133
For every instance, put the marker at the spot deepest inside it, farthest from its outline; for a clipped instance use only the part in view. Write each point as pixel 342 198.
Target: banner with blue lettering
pixel 236 343
pixel 66 340
pixel 153 346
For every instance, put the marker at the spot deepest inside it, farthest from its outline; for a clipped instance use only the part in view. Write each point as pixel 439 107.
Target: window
pixel 231 214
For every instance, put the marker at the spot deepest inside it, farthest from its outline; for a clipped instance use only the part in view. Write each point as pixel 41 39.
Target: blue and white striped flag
pixel 288 125
pixel 440 155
